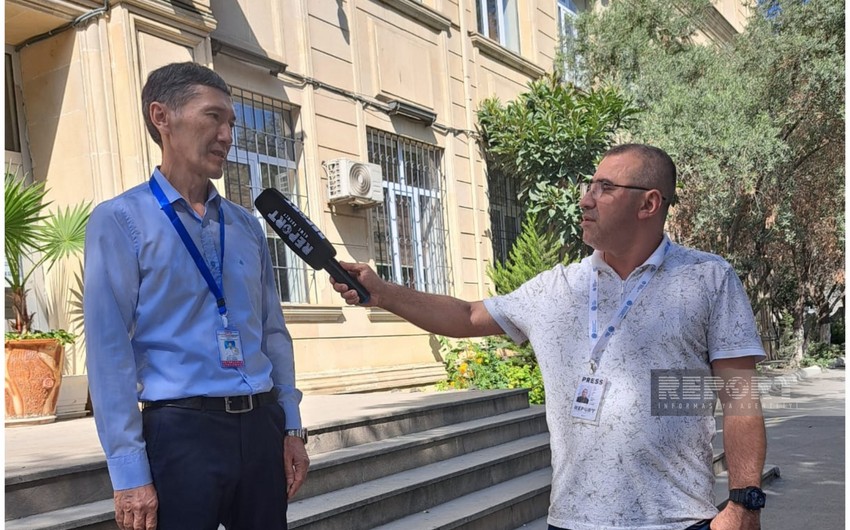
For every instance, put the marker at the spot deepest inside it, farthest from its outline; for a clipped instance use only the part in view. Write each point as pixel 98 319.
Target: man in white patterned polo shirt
pixel 639 310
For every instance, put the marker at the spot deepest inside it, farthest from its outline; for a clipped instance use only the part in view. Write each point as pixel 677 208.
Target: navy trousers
pixel 212 468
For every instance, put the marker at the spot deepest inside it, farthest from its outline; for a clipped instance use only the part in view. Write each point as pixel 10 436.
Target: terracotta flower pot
pixel 33 377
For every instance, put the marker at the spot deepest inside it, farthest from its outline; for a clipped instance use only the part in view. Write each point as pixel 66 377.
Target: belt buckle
pixel 227 405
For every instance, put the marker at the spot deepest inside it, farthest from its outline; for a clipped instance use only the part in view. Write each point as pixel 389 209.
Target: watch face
pixel 755 499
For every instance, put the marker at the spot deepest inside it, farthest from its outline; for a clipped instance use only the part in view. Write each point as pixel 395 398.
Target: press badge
pixel 230 348
pixel 588 399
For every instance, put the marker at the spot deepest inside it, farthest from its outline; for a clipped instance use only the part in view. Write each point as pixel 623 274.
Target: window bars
pixel 408 230
pixel 264 155
pixel 506 212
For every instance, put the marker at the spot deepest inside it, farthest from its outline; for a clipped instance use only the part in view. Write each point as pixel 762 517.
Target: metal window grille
pixel 409 230
pixel 264 155
pixel 506 212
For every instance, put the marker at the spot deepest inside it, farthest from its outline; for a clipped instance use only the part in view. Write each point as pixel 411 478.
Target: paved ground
pixel 806 439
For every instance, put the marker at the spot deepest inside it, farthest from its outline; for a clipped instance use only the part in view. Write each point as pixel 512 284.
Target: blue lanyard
pixel 599 343
pixel 216 290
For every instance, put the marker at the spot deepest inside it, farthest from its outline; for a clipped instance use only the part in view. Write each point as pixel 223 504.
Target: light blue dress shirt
pixel 151 319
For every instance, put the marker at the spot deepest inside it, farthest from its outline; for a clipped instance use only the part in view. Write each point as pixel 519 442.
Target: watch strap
pixel 742 496
pixel 736 495
pixel 298 433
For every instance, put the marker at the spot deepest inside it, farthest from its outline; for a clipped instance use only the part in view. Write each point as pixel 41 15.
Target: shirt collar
pixel 173 195
pixel 655 259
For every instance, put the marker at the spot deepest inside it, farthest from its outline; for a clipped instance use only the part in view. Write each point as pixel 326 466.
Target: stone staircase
pixel 480 458
pixel 470 460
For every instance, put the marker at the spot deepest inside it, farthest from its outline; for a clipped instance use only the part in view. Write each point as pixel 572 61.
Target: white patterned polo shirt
pixel 633 470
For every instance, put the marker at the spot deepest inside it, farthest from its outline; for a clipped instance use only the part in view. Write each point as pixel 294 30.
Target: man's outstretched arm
pixel 440 314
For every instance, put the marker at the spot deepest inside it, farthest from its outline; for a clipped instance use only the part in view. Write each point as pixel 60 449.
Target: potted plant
pixel 35 237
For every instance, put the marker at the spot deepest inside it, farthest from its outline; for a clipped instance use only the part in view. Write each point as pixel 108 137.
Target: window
pixel 16 159
pixel 506 213
pixel 263 156
pixel 567 13
pixel 497 20
pixel 13 136
pixel 408 229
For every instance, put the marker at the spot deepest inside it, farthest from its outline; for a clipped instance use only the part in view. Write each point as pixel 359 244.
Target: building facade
pixel 362 111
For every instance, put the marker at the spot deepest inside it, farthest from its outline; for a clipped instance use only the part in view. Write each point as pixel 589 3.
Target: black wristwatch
pixel 751 498
pixel 298 433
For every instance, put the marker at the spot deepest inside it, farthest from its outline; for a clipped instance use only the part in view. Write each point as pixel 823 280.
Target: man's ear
pixel 159 117
pixel 651 205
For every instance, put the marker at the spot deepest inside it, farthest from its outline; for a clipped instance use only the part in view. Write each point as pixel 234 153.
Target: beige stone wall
pixel 380 50
pixel 81 89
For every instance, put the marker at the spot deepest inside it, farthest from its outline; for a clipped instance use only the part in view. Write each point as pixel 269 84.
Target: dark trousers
pixel 702 525
pixel 212 468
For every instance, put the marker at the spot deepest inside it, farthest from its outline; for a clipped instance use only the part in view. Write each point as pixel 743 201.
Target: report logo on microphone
pixel 295 234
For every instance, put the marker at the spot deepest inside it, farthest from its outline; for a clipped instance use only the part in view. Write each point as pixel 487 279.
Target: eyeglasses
pixel 598 187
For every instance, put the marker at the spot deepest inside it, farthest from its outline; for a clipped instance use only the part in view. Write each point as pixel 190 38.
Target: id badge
pixel 588 399
pixel 230 348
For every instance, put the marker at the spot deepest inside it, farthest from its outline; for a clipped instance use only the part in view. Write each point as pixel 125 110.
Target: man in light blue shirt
pixel 182 315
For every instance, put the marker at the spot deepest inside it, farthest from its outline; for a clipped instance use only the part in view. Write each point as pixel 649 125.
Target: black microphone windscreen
pixel 294 228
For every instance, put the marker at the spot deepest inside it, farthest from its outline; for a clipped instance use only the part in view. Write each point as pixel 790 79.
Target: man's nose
pixel 225 134
pixel 587 202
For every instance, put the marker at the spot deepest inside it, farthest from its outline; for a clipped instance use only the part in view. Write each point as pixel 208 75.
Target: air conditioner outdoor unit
pixel 353 182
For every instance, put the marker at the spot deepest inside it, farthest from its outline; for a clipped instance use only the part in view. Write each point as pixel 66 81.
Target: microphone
pixel 303 238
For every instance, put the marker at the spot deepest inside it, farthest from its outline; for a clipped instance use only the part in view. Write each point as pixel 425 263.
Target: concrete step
pixel 52 489
pixel 499 507
pixel 98 515
pixel 47 488
pixel 380 501
pixel 396 437
pixel 361 463
pixel 372 379
pixel 438 410
pixel 721 494
pixel 537 524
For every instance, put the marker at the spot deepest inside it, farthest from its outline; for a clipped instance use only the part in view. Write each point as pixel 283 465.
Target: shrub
pixel 490 364
pixel 821 354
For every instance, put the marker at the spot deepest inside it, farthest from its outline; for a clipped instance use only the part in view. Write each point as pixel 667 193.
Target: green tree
pixel 531 254
pixel 756 127
pixel 551 137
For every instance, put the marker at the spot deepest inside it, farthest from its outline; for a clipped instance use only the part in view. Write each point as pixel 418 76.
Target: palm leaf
pixel 63 234
pixel 24 206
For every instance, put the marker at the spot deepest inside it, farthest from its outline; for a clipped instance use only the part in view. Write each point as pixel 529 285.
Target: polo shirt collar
pixel 654 260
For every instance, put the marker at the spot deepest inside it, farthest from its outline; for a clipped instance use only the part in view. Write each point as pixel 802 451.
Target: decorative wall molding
pixel 241 53
pixel 195 15
pixel 496 51
pixel 312 314
pixel 382 315
pixel 421 13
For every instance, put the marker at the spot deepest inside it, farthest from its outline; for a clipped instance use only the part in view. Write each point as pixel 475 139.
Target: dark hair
pixel 173 85
pixel 657 169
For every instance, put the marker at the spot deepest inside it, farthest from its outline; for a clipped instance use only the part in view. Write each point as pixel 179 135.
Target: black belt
pixel 232 404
